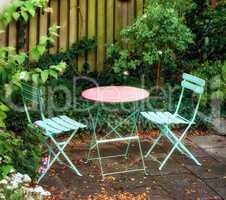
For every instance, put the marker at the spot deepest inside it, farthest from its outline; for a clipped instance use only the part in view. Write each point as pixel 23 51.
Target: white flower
pixel 26 179
pixel 46 193
pixel 160 52
pixel 12 186
pixel 38 189
pixel 41 191
pixel 144 16
pixel 12 171
pixel 3 182
pixel 126 73
pixel 2 196
pixel 22 75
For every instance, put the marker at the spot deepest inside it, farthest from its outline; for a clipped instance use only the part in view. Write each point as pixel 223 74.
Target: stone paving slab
pixel 210 168
pixel 219 185
pixel 186 187
pixel 180 179
pixel 209 141
pixel 219 153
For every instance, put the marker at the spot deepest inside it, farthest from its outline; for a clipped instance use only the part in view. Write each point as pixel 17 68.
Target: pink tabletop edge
pixel 115 94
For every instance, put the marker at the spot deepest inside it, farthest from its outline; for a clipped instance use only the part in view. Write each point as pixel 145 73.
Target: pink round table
pixel 115 94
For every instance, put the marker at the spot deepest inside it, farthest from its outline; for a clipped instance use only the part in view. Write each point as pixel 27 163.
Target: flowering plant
pixel 17 186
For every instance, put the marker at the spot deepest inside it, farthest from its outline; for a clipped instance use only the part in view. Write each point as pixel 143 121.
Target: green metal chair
pixel 51 127
pixel 165 119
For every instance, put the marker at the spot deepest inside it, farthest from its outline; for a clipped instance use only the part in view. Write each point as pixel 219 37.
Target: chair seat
pixel 164 118
pixel 60 124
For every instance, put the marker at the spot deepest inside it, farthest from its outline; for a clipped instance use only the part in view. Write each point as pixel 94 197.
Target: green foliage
pixel 13 68
pixel 21 10
pixel 9 145
pixel 157 36
pixel 31 152
pixel 215 73
pixel 208 25
pixel 3 115
pixel 181 6
pixel 20 153
pixel 68 56
pixel 9 194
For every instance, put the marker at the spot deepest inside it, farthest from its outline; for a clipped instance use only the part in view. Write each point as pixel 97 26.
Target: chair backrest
pixel 32 96
pixel 196 85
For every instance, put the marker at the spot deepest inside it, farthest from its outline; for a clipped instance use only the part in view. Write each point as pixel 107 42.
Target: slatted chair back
pixel 194 84
pixel 32 96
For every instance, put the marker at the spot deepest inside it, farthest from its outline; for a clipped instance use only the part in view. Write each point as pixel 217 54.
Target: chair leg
pixel 61 151
pixel 167 157
pixel 90 148
pixel 127 149
pixel 182 148
pixel 100 162
pixel 153 146
pixel 142 158
pixel 189 154
pixel 172 150
pixel 133 133
pixel 54 154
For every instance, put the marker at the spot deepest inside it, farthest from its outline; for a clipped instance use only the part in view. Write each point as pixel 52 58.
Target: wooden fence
pixel 101 19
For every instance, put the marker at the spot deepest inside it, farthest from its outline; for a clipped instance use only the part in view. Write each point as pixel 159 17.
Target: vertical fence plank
pixel 100 34
pixel 82 29
pixel 54 21
pixel 110 21
pixel 131 11
pixel 63 40
pixel 103 19
pixel 73 20
pixel 33 33
pixel 118 19
pixel 139 7
pixel 12 34
pixel 43 24
pixel 2 36
pixel 92 31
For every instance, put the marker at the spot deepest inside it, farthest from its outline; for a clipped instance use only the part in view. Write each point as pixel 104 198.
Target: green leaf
pixel 3 107
pixel 16 16
pixel 35 78
pixel 21 58
pixel 53 73
pixel 41 50
pixel 6 169
pixel 25 16
pixel 24 75
pixel 44 75
pixel 43 40
pixel 35 54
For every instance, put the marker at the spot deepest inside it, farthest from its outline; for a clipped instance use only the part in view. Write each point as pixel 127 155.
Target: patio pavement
pixel 180 179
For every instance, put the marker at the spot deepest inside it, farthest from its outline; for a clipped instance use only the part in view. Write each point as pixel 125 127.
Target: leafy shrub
pixel 160 35
pixel 9 145
pixel 21 10
pixel 215 74
pixel 20 153
pixel 208 26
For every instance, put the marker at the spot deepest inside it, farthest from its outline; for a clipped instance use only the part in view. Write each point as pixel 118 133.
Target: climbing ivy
pixel 21 10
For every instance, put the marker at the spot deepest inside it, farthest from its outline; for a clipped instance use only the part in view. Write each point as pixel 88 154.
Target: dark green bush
pixel 21 153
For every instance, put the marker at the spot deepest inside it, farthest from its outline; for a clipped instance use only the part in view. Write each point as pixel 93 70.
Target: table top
pixel 115 94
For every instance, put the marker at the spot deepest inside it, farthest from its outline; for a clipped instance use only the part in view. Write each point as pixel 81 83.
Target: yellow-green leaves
pixel 3 110
pixel 21 10
pixel 41 48
pixel 38 76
